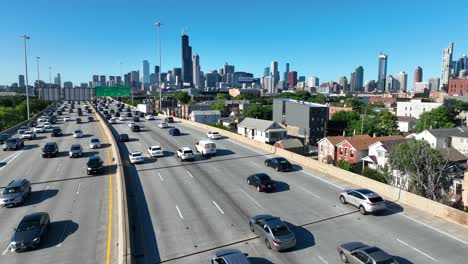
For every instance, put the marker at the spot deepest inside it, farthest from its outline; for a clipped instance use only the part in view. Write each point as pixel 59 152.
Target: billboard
pixel 119 90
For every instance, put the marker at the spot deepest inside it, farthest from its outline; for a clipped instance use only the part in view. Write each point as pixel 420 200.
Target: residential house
pixel 406 124
pixel 460 142
pixel 415 108
pixel 441 137
pixel 354 149
pixel 292 144
pixel 327 148
pixel 261 130
pixel 205 117
pixel 379 153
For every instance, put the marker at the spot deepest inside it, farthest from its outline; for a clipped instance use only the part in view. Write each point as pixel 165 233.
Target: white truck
pixel 145 108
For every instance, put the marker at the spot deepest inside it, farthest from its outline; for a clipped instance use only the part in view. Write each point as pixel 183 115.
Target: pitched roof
pixel 390 144
pixel 453 155
pixel 447 132
pixel 207 112
pixel 291 143
pixel 258 124
pixel 363 143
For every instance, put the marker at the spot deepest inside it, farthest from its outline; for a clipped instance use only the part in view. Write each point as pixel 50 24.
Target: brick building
pixel 458 86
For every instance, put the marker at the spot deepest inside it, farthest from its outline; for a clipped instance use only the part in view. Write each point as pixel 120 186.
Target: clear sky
pixel 327 39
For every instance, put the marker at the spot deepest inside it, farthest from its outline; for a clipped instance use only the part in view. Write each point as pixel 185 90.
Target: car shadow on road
pixel 133 140
pixel 87 154
pixel 392 208
pixel 30 146
pixel 57 233
pixel 296 167
pixel 39 196
pixel 2 164
pixel 224 152
pixel 61 154
pixel 168 153
pixel 281 186
pixel 149 160
pixel 40 137
pixel 402 260
pixel 105 145
pixel 304 238
pixel 183 134
pixel 255 260
pixel 67 134
pixel 86 135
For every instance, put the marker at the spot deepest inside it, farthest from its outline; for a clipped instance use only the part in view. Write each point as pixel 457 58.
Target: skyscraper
pixel 274 72
pixel 266 71
pixel 357 80
pixel 228 73
pixel 434 84
pixel 156 72
pixel 58 80
pixel 285 76
pixel 402 78
pixel 102 80
pixel 418 74
pixel 292 79
pixel 21 80
pixel 447 54
pixel 344 83
pixel 145 69
pixel 187 72
pixel 95 80
pixel 382 72
pixel 177 74
pixel 196 71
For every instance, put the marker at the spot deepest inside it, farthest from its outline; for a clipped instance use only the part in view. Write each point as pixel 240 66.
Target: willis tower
pixel 187 71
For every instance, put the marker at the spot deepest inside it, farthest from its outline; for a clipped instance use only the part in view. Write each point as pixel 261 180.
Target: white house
pixel 460 142
pixel 379 153
pixel 261 130
pixel 415 108
pixel 206 117
pixel 406 124
pixel 440 138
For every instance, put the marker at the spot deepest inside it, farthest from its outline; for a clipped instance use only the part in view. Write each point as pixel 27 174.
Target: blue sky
pixel 327 39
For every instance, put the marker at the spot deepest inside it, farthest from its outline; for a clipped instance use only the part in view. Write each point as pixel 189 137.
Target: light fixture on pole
pixel 25 37
pixel 158 24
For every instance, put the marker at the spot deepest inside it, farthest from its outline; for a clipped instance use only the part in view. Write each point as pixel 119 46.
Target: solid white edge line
pixel 160 176
pixel 16 153
pixel 180 213
pixel 13 157
pixel 323 260
pixel 252 199
pixel 309 192
pixel 320 179
pixel 417 250
pixel 188 172
pixel 6 250
pixel 219 208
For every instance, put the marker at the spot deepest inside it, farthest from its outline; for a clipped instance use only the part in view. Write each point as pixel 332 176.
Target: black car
pixel 78 120
pixel 22 129
pixel 136 119
pixel 50 149
pixel 135 128
pixel 105 112
pixel 279 164
pixel 128 109
pixel 90 119
pixel 56 132
pixel 30 231
pixel 129 115
pixel 142 115
pixel 117 114
pixel 108 116
pixel 32 123
pixel 94 165
pixel 112 111
pixel 70 110
pixel 124 138
pixel 59 112
pixel 88 110
pixel 3 138
pixel 262 182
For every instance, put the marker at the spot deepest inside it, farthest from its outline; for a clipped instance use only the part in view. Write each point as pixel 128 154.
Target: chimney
pixel 373 135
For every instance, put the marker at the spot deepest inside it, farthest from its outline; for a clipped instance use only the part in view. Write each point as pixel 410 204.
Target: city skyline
pixel 328 60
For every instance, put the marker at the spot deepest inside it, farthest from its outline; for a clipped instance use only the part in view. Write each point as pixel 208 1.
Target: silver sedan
pixel 276 233
pixel 366 200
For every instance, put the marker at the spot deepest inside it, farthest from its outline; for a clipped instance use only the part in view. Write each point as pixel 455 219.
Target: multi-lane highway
pixel 187 210
pixel 78 204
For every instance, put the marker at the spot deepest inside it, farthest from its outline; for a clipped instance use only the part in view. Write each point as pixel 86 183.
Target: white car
pixel 149 117
pixel 213 135
pixel 42 119
pixel 163 125
pixel 185 153
pixel 136 157
pixel 47 125
pixel 28 135
pixel 39 129
pixel 94 143
pixel 77 133
pixel 113 120
pixel 122 118
pixel 66 119
pixel 131 124
pixel 155 151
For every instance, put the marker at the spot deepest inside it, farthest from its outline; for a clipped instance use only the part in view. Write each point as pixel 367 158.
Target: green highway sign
pixel 118 90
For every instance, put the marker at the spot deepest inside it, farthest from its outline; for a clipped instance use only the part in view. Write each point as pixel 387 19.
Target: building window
pixel 346 151
pixel 341 150
pixel 351 153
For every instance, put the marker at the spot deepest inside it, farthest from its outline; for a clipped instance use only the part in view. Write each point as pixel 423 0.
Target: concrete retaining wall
pixel 391 193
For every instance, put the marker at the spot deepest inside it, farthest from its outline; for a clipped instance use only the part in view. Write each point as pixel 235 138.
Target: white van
pixel 206 147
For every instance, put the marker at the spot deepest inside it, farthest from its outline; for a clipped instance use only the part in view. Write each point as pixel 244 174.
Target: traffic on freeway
pixel 200 198
pixel 54 197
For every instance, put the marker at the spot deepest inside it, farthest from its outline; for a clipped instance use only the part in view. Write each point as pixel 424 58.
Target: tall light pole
pixel 50 75
pixel 25 37
pixel 158 24
pixel 38 76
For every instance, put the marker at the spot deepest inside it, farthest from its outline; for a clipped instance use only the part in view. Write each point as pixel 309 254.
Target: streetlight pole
pixel 25 37
pixel 158 24
pixel 50 75
pixel 38 76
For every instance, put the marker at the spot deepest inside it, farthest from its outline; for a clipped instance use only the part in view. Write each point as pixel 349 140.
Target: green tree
pixel 373 174
pixel 425 168
pixel 318 98
pixel 386 124
pixel 343 121
pixel 343 164
pixel 356 103
pixel 182 97
pixel 439 117
pixel 222 96
pixel 254 111
pixel 221 107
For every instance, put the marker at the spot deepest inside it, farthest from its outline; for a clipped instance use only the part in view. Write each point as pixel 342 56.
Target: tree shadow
pixel 39 196
pixel 255 260
pixel 304 238
pixel 281 186
pixel 402 260
pixel 392 208
pixel 57 232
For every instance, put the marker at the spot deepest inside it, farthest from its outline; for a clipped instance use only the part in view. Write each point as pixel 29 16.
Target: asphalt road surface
pixel 78 204
pixel 187 210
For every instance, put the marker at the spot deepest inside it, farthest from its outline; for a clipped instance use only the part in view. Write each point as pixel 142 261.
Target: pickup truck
pixel 13 144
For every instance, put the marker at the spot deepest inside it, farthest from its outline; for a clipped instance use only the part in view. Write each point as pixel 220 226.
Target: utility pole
pixel 38 76
pixel 50 75
pixel 25 37
pixel 362 121
pixel 158 24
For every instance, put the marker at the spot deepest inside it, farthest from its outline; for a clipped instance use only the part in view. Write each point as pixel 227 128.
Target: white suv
pixel 155 151
pixel 185 153
pixel 213 135
pixel 136 157
pixel 39 129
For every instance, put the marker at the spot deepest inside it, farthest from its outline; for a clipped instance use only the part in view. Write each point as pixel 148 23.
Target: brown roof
pixel 363 143
pixel 337 139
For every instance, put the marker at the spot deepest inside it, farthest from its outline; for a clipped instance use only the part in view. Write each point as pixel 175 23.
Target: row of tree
pixel 13 110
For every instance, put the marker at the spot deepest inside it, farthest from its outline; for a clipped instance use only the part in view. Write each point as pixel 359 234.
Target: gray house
pixel 301 119
pixel 205 117
pixel 261 130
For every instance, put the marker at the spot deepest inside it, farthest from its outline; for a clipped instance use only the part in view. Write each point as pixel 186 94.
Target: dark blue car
pixel 174 132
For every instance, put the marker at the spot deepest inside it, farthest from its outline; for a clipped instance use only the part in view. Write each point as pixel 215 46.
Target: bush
pixel 343 164
pixel 13 110
pixel 373 174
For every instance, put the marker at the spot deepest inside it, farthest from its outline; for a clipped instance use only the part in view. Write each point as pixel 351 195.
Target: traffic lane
pixel 54 166
pixel 232 230
pixel 392 223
